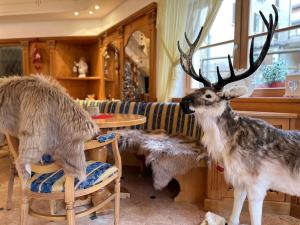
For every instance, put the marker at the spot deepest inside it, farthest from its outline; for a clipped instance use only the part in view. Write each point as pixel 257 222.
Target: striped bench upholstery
pixel 166 116
pixel 54 182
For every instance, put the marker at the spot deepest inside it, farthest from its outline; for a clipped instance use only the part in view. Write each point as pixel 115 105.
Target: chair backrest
pixel 13 146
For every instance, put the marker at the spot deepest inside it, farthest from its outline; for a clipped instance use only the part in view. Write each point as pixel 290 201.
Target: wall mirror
pixel 136 68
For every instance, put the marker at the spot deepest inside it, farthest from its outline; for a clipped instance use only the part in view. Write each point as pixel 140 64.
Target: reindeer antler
pixel 187 63
pixel 254 65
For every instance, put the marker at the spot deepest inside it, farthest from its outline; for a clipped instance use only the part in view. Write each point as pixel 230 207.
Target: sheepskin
pixel 46 119
pixel 167 156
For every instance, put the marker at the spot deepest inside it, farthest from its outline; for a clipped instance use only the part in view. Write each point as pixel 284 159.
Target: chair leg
pixel 24 210
pixel 70 199
pixel 70 213
pixel 10 187
pixel 117 202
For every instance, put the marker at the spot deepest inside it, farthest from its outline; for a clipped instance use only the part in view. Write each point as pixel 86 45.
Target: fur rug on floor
pixel 167 156
pixel 46 119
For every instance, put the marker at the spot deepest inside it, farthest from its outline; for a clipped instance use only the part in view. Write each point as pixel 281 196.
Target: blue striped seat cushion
pixel 54 182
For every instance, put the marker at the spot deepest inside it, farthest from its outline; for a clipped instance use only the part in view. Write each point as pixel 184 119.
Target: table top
pixel 120 120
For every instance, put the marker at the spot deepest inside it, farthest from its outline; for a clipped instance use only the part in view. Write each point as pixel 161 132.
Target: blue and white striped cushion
pixel 165 116
pixel 54 182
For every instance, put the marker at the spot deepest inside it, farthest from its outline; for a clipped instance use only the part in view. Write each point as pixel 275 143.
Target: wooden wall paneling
pixel 295 207
pixel 101 60
pixel 113 83
pixel 51 47
pixel 121 58
pixel 65 55
pixel 94 88
pixel 284 105
pixel 214 182
pixel 152 27
pixel 94 85
pixel 25 56
pixel 76 88
pixel 243 45
pixel 94 67
pixel 44 51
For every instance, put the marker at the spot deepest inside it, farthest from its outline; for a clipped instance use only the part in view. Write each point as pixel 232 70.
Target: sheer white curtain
pixel 174 18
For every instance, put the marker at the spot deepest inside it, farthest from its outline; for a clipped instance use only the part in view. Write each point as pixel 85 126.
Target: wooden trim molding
pixel 51 46
pixel 266 100
pixel 25 56
pixel 269 104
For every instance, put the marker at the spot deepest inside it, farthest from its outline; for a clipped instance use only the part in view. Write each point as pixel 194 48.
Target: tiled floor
pixel 145 207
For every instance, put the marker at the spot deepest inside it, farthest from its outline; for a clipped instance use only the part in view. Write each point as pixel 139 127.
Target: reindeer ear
pixel 234 92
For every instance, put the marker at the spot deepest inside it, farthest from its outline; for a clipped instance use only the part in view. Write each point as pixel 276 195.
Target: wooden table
pixel 120 120
pixel 116 121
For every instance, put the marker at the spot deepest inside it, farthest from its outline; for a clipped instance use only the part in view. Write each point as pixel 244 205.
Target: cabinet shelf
pixel 78 78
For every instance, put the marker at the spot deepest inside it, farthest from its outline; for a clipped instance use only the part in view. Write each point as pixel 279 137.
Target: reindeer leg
pixel 256 199
pixel 239 198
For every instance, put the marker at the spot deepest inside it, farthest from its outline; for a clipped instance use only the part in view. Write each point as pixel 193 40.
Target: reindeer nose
pixel 185 105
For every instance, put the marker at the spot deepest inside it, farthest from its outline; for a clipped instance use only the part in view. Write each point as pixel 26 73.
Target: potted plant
pixel 274 75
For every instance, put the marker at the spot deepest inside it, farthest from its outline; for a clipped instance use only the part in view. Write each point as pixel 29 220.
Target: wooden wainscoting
pixel 269 104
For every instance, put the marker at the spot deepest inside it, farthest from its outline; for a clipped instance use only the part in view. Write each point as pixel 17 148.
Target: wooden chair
pixel 66 187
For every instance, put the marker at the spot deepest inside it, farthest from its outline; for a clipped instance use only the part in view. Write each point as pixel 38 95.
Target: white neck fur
pixel 212 138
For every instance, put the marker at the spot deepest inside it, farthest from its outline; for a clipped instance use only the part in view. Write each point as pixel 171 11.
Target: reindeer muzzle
pixel 185 105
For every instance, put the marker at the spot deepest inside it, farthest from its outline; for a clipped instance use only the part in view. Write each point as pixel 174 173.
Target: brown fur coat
pixel 46 119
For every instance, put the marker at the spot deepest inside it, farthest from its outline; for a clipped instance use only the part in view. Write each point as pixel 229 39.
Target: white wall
pixel 70 27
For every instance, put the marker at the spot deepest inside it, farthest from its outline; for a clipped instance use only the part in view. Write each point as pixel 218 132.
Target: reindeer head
pixel 211 99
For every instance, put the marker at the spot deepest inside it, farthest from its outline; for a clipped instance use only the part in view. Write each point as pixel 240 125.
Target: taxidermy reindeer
pixel 256 156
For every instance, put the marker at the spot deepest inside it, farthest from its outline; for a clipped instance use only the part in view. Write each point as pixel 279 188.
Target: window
pixel 233 13
pixel 10 61
pixel 217 45
pixel 226 37
pixel 256 25
pixel 284 53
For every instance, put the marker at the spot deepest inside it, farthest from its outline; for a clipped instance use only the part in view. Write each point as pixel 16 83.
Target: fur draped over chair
pixel 46 119
pixel 167 156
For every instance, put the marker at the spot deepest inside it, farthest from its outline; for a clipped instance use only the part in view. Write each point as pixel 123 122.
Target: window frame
pixel 241 38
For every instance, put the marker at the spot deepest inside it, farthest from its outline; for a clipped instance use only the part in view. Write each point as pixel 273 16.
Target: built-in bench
pixel 170 118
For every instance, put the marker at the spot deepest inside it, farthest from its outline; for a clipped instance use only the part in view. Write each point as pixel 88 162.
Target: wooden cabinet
pixel 113 45
pixel 219 195
pixel 63 53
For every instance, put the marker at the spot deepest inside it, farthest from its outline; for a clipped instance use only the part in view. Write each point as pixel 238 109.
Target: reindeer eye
pixel 208 96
